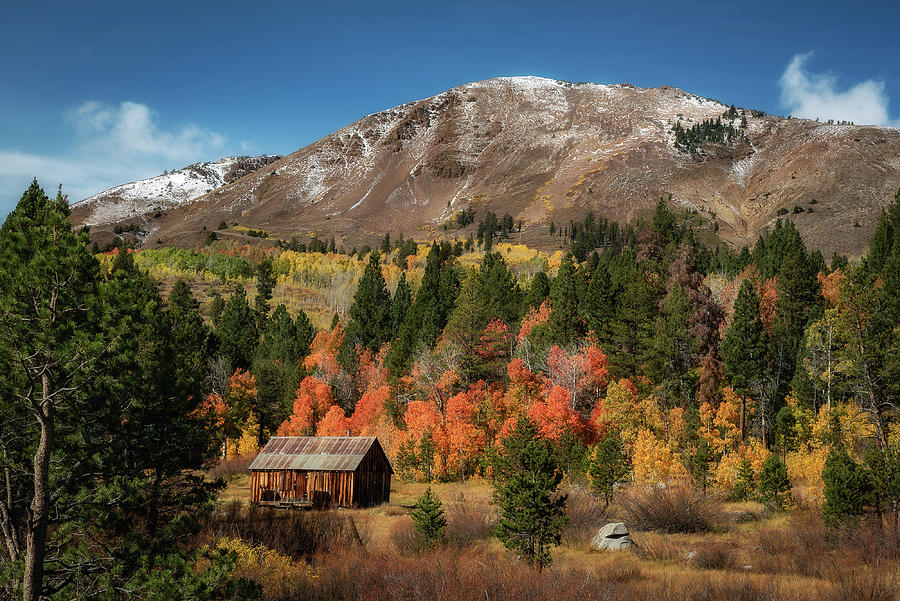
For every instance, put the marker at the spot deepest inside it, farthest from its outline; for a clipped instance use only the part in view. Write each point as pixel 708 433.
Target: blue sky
pixel 98 93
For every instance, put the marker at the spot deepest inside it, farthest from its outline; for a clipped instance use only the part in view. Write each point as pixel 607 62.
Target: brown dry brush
pixel 294 533
pixel 678 507
pixel 807 547
pixel 586 514
pixel 445 575
pixel 236 466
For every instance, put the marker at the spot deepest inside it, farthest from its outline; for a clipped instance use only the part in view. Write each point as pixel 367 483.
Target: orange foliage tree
pixel 311 404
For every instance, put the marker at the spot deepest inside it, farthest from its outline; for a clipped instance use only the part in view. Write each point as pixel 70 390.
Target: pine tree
pixel 598 308
pixel 428 515
pixel 798 296
pixel 744 346
pixel 538 292
pixel 400 305
pixel 636 310
pixel 564 322
pixel 265 283
pixel 370 314
pixel 608 465
pixel 531 513
pixel 847 487
pixel 774 485
pixel 237 330
pixel 95 406
pixel 47 317
pixel 191 338
pixel 486 295
pixel 743 486
pixel 673 349
pixel 428 314
pixel 216 306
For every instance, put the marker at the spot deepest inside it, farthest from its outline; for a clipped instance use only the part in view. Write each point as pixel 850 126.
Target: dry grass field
pixel 746 552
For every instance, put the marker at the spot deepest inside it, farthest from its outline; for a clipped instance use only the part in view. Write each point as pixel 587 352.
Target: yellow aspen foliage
pixel 248 443
pixel 676 428
pixel 804 419
pixel 721 427
pixel 279 576
pixel 805 470
pixel 618 409
pixel 753 450
pixel 653 461
pixel 852 423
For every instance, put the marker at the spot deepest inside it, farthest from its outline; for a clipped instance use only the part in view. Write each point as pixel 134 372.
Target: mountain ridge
pixel 549 151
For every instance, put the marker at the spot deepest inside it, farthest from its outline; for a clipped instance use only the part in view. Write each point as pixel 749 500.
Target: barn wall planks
pixel 369 484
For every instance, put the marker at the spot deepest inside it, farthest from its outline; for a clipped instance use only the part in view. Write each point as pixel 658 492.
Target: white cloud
pixel 816 95
pixel 113 145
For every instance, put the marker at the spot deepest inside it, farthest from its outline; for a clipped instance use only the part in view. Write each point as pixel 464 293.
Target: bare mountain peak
pixel 547 151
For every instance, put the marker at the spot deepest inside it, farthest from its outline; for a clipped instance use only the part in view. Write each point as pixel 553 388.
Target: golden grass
pixel 729 553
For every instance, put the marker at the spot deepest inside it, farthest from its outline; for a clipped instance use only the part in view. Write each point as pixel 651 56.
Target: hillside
pixel 147 199
pixel 542 151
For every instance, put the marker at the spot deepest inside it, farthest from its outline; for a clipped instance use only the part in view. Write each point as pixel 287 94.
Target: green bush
pixel 774 485
pixel 847 488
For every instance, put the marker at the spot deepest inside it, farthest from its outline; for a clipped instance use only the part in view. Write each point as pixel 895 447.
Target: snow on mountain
pixel 543 151
pixel 165 191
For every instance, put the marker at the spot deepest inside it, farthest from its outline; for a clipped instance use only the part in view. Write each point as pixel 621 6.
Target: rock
pixel 613 536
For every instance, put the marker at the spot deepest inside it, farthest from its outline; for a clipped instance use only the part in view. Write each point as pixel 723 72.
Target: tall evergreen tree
pixel 265 284
pixel 370 313
pixel 94 402
pixel 564 322
pixel 798 296
pixel 400 305
pixel 636 309
pixel 531 513
pixel 237 330
pixel 428 515
pixel 430 310
pixel 744 347
pixel 672 350
pixel 598 308
pixel 538 292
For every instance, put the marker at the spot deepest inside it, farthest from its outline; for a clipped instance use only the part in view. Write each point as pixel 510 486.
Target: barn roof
pixel 314 453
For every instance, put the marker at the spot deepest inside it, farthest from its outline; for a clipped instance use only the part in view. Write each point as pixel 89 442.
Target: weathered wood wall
pixel 368 485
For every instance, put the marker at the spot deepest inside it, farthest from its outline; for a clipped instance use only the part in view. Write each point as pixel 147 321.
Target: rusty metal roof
pixel 313 453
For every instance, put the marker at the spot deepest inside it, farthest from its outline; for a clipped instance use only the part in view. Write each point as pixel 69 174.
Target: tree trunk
pixel 36 534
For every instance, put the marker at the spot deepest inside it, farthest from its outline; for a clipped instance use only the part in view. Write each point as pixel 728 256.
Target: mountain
pixel 547 151
pixel 148 197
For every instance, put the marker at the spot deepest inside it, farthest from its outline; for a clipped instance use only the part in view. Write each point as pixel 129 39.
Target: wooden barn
pixel 346 471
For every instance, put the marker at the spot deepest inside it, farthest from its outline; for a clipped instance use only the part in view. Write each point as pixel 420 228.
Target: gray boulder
pixel 613 537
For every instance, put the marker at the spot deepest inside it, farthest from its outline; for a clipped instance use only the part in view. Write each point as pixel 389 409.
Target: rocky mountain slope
pixel 543 151
pixel 145 198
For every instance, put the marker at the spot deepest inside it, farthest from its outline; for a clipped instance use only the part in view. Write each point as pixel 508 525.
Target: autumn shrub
pixel 713 556
pixel 405 538
pixel 279 576
pixel 446 575
pixel 656 547
pixel 586 514
pixel 468 521
pixel 799 547
pixel 295 534
pixel 862 584
pixel 234 466
pixel 677 507
pixel 806 546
